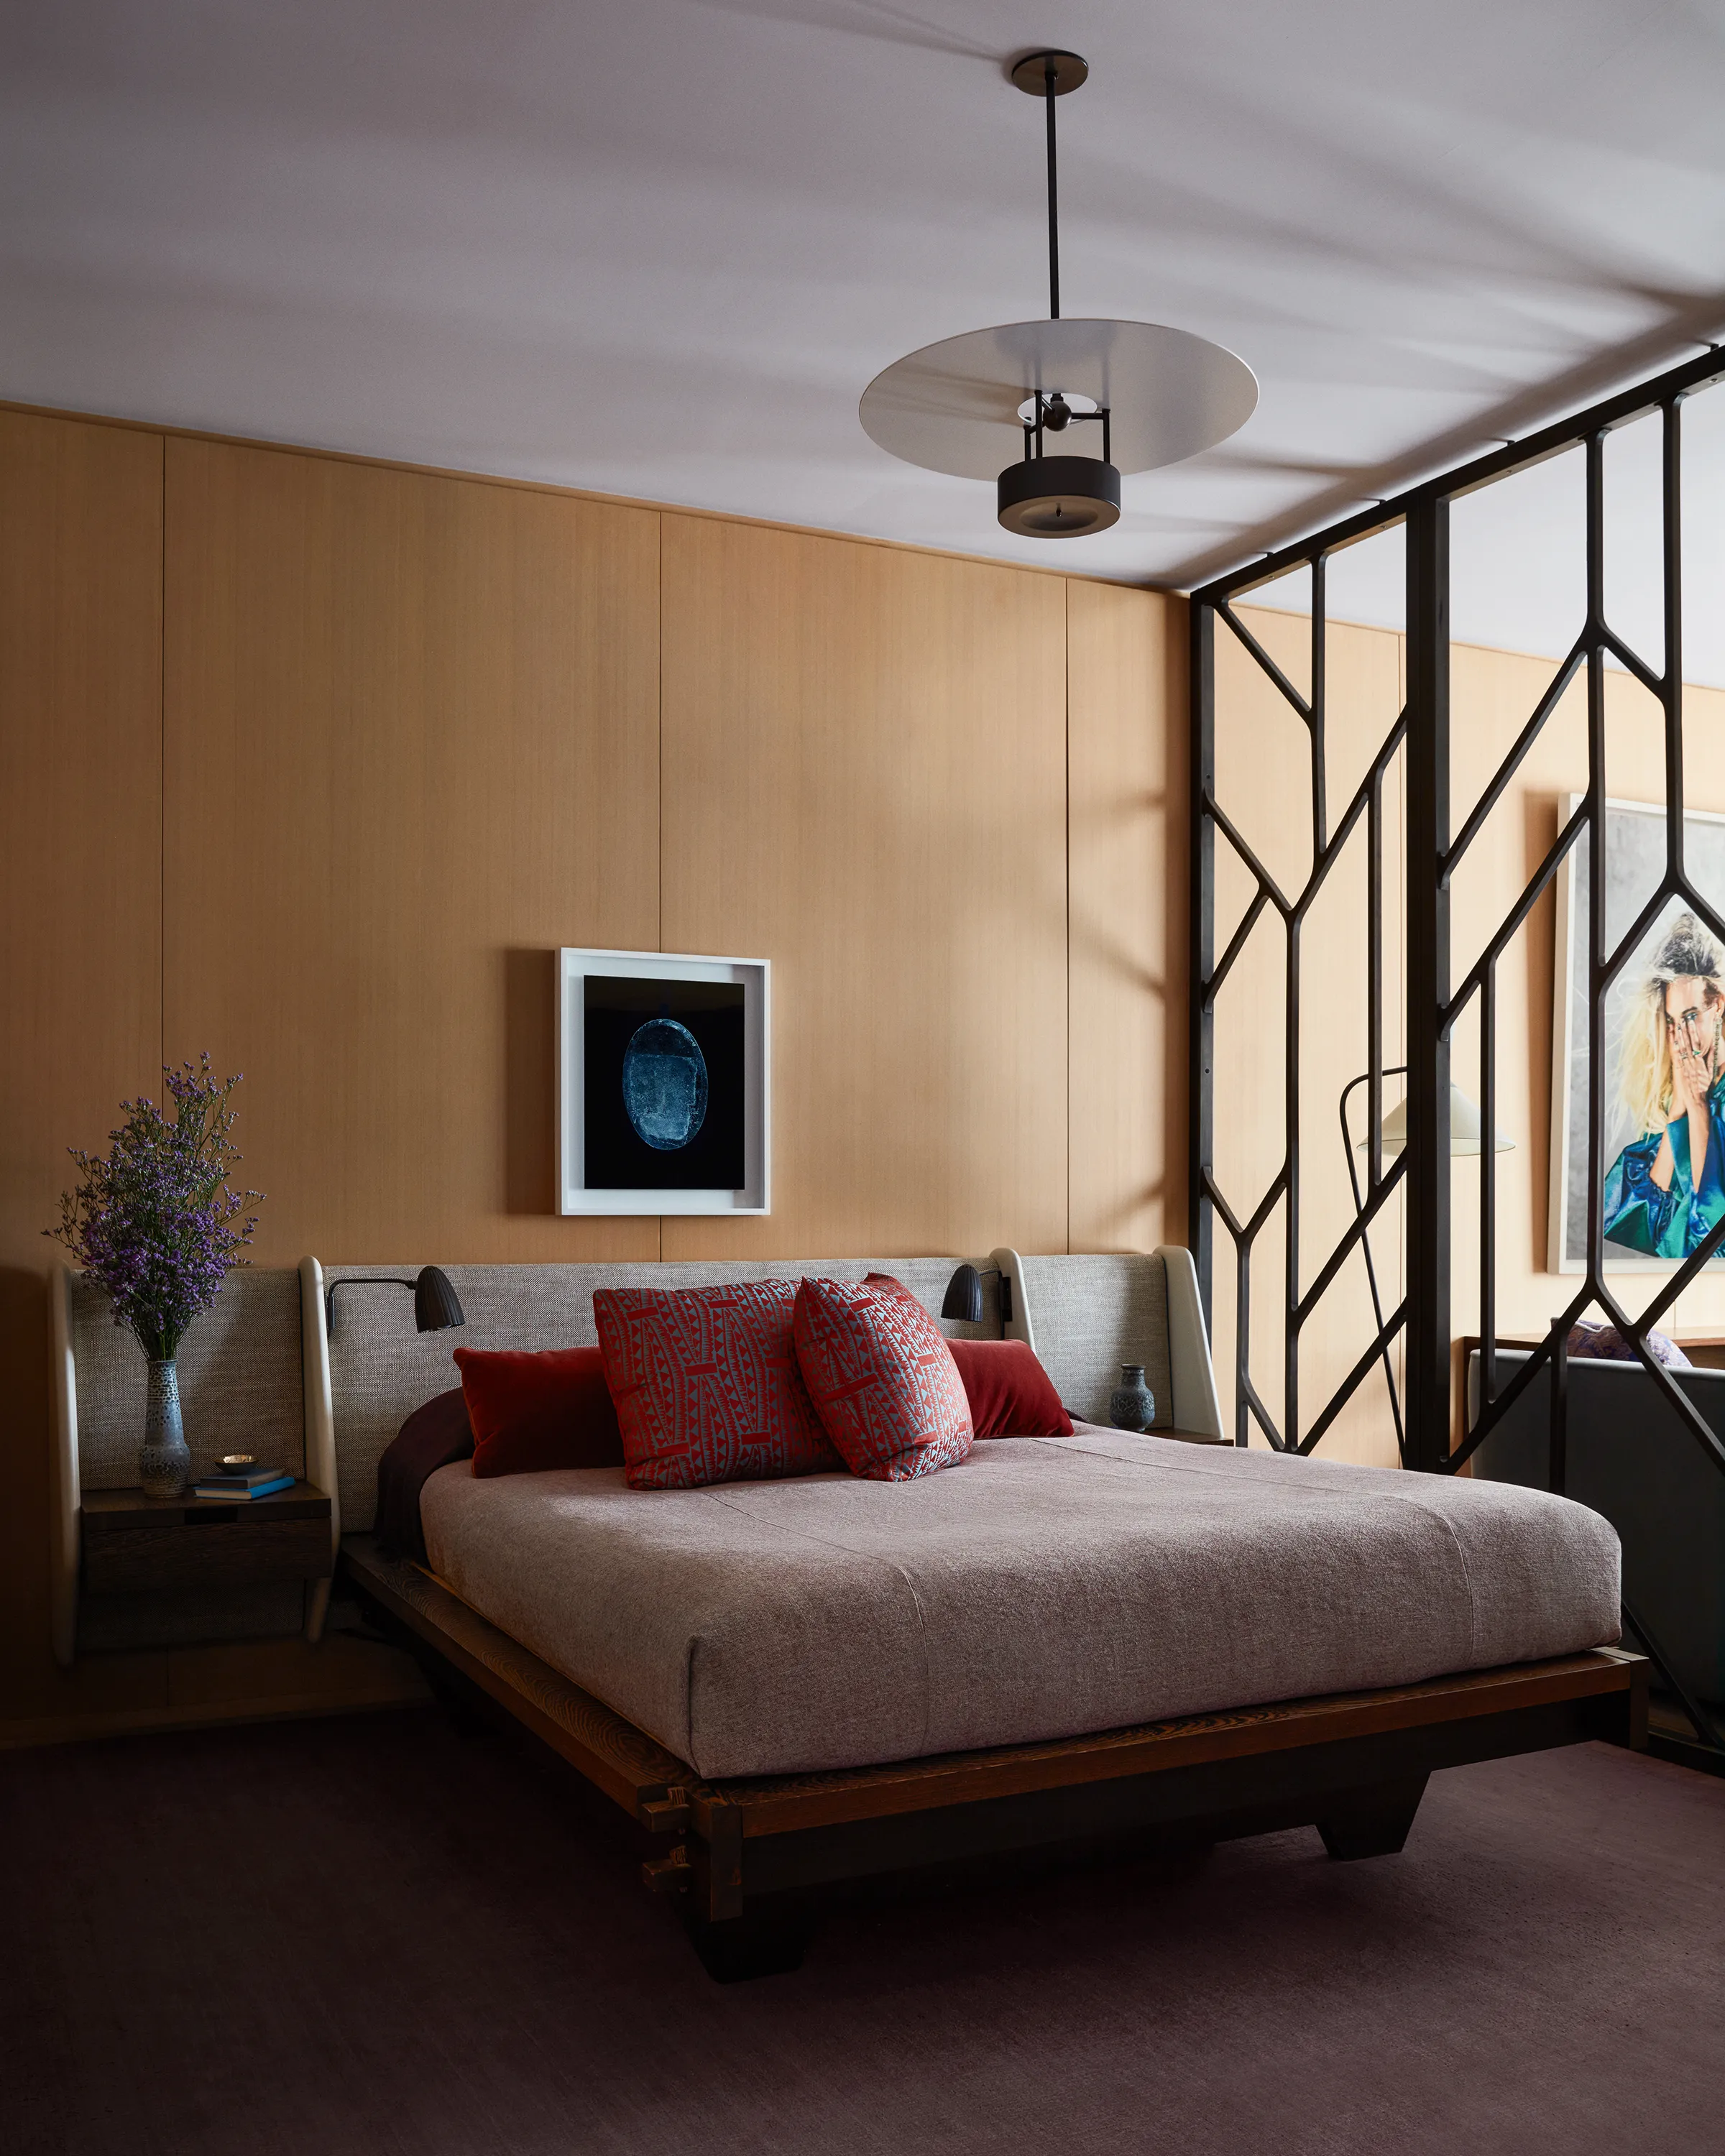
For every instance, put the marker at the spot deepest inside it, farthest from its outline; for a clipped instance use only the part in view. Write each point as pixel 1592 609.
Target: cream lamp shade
pixel 1464 1128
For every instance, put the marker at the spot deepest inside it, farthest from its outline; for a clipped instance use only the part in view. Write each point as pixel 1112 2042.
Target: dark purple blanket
pixel 430 1438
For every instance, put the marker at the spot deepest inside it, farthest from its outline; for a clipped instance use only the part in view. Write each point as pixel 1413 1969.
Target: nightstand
pixel 133 1544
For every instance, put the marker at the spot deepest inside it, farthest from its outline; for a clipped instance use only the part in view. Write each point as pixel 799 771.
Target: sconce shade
pixel 1464 1128
pixel 964 1296
pixel 436 1304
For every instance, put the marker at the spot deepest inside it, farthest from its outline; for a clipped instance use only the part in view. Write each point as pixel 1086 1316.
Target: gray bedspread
pixel 1050 1587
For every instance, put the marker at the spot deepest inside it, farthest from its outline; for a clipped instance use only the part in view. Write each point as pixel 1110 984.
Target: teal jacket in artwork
pixel 1668 1224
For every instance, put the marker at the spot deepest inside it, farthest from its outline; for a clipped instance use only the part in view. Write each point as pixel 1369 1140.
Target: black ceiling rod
pixel 1054 213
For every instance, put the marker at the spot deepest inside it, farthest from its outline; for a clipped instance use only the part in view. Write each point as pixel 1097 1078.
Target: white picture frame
pixel 1633 829
pixel 575 1195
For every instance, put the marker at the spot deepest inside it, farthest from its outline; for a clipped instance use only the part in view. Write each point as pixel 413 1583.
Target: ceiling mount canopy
pixel 1154 395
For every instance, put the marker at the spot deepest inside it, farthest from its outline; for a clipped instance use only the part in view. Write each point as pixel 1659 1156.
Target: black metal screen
pixel 1422 1407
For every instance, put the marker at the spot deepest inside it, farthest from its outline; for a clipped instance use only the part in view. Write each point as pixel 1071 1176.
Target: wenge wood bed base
pixel 742 1854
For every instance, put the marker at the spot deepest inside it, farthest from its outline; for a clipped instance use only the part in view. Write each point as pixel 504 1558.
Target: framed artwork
pixel 664 1078
pixel 1665 1058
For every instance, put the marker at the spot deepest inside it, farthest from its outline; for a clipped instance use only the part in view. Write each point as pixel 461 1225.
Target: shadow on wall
pixel 1110 948
pixel 24 1471
pixel 530 1082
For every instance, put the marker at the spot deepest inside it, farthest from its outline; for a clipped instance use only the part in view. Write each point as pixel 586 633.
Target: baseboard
pixel 1686 1751
pixel 132 1722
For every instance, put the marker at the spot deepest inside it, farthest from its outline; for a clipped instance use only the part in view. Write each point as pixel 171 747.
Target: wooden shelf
pixel 134 1544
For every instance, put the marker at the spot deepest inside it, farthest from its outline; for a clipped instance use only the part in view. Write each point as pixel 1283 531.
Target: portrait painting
pixel 1664 1073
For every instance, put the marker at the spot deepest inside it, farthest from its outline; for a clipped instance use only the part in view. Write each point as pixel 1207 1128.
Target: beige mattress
pixel 1049 1586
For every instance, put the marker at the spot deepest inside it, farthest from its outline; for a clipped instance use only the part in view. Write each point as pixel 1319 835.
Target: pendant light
pixel 1152 395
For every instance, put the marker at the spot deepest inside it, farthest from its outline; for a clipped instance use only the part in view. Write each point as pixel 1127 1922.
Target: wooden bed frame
pixel 743 1855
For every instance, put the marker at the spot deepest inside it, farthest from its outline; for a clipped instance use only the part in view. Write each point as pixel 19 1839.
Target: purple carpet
pixel 392 1933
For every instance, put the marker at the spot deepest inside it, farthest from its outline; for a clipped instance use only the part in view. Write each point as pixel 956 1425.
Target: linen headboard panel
pixel 1084 1316
pixel 381 1369
pixel 258 1369
pixel 241 1369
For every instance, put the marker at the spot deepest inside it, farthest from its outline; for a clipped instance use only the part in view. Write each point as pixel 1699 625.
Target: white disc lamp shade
pixel 953 407
pixel 1464 1128
pixel 1115 396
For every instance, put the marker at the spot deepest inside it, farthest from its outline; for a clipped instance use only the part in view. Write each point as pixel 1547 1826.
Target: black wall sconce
pixel 436 1304
pixel 964 1296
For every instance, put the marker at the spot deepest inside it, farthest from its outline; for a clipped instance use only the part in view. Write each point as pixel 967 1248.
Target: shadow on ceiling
pixel 1690 318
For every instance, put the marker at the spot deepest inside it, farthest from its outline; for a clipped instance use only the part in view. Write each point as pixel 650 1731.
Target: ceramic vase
pixel 164 1463
pixel 1132 1405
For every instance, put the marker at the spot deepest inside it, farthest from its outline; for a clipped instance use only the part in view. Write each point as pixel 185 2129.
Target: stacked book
pixel 239 1484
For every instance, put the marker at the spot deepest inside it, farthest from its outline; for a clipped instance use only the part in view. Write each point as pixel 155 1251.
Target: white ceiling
pixel 659 248
pixel 1517 553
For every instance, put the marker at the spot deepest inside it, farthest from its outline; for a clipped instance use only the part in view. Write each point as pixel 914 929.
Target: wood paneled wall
pixel 412 746
pixel 864 772
pixel 80 957
pixel 313 762
pixel 1127 810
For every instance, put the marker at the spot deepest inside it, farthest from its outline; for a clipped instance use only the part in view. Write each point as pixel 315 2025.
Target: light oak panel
pixel 863 781
pixel 412 729
pixel 80 867
pixel 1125 690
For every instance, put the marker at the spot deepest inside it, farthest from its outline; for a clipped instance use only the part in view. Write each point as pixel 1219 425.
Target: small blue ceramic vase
pixel 1132 1404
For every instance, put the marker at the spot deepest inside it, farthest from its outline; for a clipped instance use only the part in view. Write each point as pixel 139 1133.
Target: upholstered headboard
pixel 381 1369
pixel 241 1372
pixel 1084 1316
pixel 239 1369
pixel 1087 1315
pixel 260 1366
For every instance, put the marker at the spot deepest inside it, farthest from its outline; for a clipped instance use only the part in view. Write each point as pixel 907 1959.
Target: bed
pixel 1103 1638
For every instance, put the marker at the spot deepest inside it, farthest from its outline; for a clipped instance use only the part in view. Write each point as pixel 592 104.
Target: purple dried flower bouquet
pixel 157 1225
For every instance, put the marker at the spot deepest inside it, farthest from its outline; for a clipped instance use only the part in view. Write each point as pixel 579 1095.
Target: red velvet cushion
pixel 881 1377
pixel 1010 1393
pixel 533 1412
pixel 706 1385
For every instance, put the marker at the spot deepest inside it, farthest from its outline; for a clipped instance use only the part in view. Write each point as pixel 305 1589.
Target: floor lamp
pixel 1465 1137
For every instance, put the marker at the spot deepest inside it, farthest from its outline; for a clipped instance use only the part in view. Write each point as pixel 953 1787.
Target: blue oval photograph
pixel 665 1085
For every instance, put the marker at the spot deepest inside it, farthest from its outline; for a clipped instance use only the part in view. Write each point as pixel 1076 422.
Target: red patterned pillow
pixel 706 1385
pixel 882 1378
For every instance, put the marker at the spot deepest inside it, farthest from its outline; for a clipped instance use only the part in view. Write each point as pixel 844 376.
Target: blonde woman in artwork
pixel 1666 1191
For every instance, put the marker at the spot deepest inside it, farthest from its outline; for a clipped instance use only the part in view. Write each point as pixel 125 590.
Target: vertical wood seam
pixel 1066 678
pixel 658 785
pixel 162 761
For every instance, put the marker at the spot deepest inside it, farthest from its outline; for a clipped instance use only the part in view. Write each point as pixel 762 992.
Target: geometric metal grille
pixel 1210 973
pixel 1422 1318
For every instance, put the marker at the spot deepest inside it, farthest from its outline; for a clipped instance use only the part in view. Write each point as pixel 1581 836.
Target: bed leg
pixel 1373 1821
pixel 737 1939
pixel 762 1942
